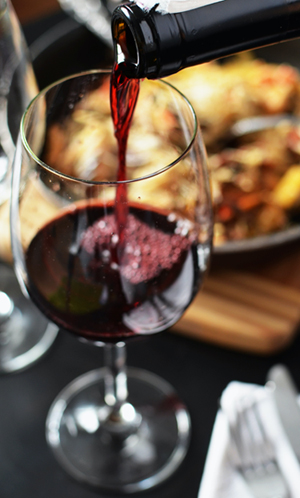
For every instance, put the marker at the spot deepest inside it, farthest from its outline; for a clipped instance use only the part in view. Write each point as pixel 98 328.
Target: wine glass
pixel 25 334
pixel 109 281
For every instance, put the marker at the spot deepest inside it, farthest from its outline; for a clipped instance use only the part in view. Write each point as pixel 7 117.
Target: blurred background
pixel 31 10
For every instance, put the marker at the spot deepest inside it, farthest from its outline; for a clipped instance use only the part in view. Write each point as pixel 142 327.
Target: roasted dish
pixel 255 177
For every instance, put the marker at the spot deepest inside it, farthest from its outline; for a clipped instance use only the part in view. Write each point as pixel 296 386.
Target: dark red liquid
pixel 123 98
pixel 77 279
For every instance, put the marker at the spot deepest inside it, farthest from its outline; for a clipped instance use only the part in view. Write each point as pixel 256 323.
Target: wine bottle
pixel 152 43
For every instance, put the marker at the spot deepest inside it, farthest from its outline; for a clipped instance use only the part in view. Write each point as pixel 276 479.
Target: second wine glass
pixel 110 267
pixel 25 334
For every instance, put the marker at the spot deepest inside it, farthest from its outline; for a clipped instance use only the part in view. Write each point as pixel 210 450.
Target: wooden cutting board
pixel 255 310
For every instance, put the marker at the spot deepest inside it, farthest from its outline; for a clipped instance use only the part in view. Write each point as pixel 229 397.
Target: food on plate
pixel 255 178
pixel 256 184
pixel 239 87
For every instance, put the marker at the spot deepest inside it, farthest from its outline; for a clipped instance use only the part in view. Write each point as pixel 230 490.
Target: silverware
pixel 285 395
pixel 254 453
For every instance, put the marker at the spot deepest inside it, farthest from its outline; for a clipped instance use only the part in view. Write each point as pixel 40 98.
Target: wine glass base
pixel 89 453
pixel 26 335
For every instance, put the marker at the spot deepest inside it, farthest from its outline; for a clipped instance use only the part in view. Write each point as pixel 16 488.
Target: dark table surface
pixel 197 370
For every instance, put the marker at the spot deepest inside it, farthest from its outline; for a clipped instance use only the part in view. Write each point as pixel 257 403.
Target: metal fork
pixel 254 452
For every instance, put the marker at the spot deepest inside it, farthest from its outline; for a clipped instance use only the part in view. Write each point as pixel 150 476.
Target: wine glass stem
pixel 6 309
pixel 123 418
pixel 116 378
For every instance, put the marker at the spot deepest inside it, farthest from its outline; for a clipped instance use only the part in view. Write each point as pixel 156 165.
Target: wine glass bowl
pixel 25 334
pixel 110 259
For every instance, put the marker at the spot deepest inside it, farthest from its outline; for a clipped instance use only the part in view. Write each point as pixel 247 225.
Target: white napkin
pixel 220 478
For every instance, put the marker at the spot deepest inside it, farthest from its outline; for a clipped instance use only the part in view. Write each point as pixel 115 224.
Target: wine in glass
pixel 25 334
pixel 110 259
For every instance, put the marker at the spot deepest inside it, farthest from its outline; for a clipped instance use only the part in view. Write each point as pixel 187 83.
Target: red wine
pixel 123 98
pixel 77 279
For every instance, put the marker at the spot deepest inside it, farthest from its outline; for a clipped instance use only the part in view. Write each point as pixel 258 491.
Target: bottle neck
pixel 154 45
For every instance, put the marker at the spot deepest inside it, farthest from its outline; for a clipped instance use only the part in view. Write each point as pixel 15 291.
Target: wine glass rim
pixel 107 182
